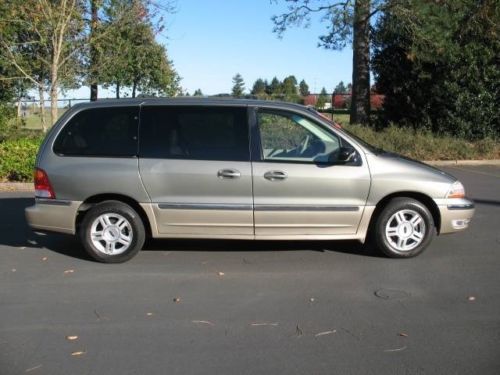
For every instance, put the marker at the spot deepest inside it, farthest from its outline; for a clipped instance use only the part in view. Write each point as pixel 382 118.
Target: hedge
pixel 17 158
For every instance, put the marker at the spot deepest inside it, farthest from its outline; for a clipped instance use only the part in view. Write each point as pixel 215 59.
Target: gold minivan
pixel 116 172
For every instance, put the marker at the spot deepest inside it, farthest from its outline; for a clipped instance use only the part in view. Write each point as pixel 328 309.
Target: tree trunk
pixel 41 96
pixel 134 87
pixel 93 50
pixel 53 93
pixel 117 90
pixel 19 104
pixel 360 101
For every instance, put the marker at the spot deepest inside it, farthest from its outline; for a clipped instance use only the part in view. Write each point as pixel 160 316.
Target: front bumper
pixel 456 214
pixel 53 215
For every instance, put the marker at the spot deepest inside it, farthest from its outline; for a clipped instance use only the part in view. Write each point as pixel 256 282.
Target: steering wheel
pixel 304 144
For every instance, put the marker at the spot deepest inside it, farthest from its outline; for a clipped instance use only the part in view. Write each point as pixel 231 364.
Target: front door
pixel 300 186
pixel 195 165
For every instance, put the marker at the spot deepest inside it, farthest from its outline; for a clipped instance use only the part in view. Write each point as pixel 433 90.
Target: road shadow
pixel 15 232
pixel 489 202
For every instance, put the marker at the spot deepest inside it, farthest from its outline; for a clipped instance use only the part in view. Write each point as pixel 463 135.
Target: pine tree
pixel 304 88
pixel 259 88
pixel 322 99
pixel 340 88
pixel 238 86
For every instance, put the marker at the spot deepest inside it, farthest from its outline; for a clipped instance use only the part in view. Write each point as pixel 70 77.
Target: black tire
pixel 387 244
pixel 135 230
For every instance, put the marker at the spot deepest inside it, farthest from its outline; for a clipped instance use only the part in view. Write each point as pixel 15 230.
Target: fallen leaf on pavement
pixel 74 354
pixel 298 331
pixel 402 334
pixel 325 333
pixel 68 271
pixel 33 368
pixel 264 324
pixel 203 322
pixel 99 317
pixel 71 338
pixel 396 350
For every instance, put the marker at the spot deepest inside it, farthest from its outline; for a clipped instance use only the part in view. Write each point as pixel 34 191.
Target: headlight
pixel 456 190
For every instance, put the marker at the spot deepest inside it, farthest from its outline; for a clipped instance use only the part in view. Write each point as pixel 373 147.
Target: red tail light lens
pixel 43 188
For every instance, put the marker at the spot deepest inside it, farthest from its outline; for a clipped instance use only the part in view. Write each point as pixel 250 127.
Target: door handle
pixel 275 175
pixel 229 173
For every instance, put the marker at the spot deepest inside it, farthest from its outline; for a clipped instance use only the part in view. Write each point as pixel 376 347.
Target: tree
pixel 437 65
pixel 303 88
pixel 7 93
pixel 259 88
pixel 322 99
pixel 238 86
pixel 348 22
pixel 94 53
pixel 113 43
pixel 198 93
pixel 340 88
pixel 129 55
pixel 275 88
pixel 56 27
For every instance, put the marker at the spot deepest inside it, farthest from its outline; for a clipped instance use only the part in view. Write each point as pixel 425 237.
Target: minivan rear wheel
pixel 404 228
pixel 112 232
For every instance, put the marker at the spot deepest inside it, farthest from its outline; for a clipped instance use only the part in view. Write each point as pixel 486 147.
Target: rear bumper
pixel 456 214
pixel 53 215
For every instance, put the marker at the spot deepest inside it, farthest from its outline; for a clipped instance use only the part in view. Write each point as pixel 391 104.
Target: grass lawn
pixel 34 121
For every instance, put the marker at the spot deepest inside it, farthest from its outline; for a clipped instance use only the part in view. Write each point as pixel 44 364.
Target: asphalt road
pixel 278 307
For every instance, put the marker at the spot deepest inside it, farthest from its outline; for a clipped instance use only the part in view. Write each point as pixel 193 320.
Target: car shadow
pixel 15 232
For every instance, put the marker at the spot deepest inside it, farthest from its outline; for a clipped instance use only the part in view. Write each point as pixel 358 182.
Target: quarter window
pixel 198 133
pixel 100 132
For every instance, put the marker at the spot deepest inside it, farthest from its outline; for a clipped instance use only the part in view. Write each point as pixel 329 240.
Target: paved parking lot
pixel 233 307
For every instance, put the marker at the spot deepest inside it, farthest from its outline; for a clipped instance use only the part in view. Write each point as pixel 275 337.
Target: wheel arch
pixel 427 201
pixel 91 201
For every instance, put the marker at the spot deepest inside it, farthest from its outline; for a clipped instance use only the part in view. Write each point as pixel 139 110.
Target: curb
pixel 16 186
pixel 462 162
pixel 28 186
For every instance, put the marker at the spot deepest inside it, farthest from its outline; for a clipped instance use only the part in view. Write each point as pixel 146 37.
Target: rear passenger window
pixel 100 132
pixel 215 133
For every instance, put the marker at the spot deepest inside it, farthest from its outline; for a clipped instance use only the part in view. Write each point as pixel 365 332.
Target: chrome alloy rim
pixel 111 234
pixel 405 230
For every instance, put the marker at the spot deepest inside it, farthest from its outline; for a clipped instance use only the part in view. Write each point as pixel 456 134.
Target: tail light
pixel 43 188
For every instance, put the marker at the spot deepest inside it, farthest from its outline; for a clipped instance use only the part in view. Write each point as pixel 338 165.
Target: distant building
pixel 343 101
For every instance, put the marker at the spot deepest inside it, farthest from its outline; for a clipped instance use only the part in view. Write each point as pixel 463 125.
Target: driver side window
pixel 291 137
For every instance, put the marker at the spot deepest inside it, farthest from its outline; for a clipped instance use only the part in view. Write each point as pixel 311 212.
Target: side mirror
pixel 344 155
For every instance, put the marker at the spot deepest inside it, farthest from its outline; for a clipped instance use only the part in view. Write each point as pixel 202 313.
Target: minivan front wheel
pixel 112 232
pixel 404 228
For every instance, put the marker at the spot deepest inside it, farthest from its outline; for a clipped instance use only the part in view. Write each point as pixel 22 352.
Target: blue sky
pixel 210 41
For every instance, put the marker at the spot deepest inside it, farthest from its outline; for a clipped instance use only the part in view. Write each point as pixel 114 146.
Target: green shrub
pixel 17 158
pixel 423 145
